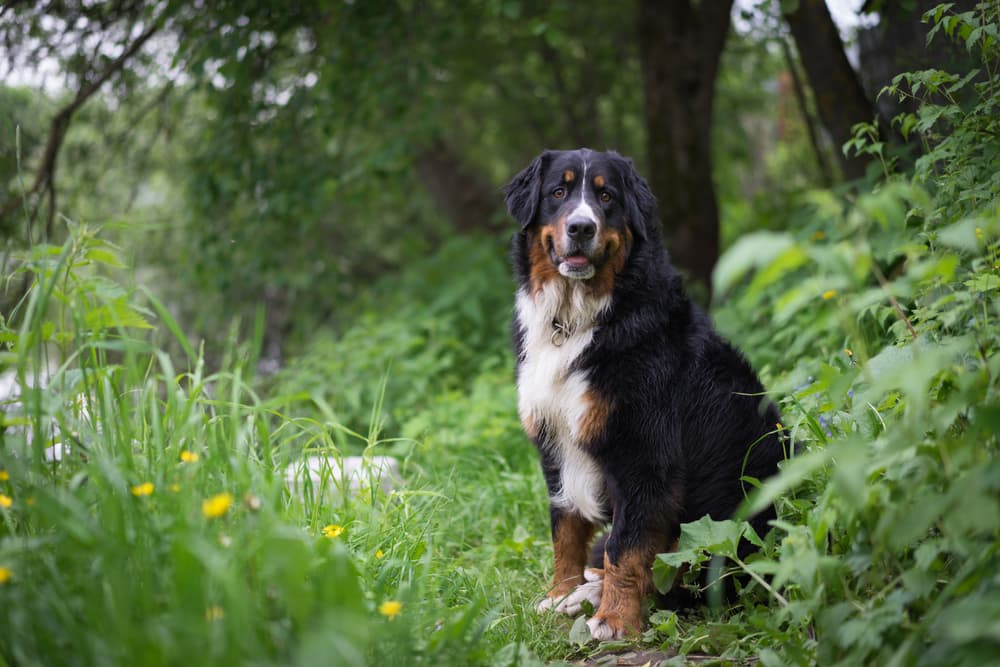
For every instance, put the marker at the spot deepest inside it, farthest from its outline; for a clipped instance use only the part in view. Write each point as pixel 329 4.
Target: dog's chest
pixel 554 397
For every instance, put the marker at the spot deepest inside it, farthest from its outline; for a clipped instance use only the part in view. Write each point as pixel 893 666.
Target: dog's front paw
pixel 608 625
pixel 572 604
pixel 605 627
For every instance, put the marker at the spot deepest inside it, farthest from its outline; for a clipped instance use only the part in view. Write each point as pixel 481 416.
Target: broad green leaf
pixel 750 252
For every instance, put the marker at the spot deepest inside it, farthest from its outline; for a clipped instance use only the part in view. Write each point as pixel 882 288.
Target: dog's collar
pixel 561 331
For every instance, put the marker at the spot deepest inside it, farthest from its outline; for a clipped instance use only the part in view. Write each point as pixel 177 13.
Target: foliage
pixel 146 520
pixel 878 322
pixel 872 317
pixel 432 329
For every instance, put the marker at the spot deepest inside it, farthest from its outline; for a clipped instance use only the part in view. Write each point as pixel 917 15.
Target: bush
pixel 878 325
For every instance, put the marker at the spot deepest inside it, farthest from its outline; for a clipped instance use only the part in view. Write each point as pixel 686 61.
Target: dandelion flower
pixel 175 487
pixel 332 531
pixel 144 489
pixel 4 475
pixel 829 294
pixel 5 501
pixel 390 608
pixel 379 554
pixel 217 505
pixel 4 574
pixel 189 457
pixel 214 613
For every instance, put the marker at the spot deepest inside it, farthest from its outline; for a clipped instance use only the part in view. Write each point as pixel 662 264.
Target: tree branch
pixel 45 177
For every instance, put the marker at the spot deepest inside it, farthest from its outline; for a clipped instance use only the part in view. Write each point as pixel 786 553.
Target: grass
pixel 166 534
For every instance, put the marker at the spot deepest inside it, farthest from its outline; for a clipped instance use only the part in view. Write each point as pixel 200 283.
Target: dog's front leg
pixel 640 530
pixel 571 535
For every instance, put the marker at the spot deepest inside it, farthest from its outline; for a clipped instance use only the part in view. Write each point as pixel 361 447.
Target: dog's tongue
pixel 577 260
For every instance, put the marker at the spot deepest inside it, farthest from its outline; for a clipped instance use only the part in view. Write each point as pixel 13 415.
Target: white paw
pixel 545 604
pixel 602 631
pixel 572 604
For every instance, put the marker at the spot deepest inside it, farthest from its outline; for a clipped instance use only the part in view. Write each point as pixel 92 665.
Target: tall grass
pixel 164 533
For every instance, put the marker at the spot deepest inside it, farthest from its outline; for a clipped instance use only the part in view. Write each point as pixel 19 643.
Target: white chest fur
pixel 553 395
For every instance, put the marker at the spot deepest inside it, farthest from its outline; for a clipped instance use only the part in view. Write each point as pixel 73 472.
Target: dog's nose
pixel 581 230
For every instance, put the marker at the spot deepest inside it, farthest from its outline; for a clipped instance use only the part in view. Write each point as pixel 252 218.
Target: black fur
pixel 688 408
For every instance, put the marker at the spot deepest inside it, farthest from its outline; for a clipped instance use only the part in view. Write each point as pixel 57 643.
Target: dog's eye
pixel 605 196
pixel 559 193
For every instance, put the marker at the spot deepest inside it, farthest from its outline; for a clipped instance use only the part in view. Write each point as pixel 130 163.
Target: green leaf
pixel 984 282
pixel 750 252
pixel 716 537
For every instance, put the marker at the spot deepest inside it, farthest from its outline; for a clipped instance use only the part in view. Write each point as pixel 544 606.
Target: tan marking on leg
pixel 570 543
pixel 626 584
pixel 595 419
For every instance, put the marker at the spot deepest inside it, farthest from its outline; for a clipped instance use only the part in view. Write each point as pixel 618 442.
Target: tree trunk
pixel 463 194
pixel 680 44
pixel 840 99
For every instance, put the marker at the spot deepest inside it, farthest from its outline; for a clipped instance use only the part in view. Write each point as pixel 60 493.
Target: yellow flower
pixel 379 554
pixel 175 487
pixel 778 426
pixel 217 505
pixel 848 352
pixel 979 233
pixel 189 457
pixel 4 574
pixel 5 501
pixel 829 294
pixel 818 235
pixel 390 608
pixel 144 489
pixel 333 530
pixel 4 475
pixel 214 613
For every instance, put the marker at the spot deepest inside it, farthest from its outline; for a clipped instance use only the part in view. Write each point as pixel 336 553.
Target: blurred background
pixel 264 162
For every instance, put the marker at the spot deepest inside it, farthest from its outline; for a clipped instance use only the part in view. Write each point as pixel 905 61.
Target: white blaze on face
pixel 583 209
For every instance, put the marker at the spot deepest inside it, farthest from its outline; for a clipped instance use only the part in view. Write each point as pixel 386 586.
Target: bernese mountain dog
pixel 643 415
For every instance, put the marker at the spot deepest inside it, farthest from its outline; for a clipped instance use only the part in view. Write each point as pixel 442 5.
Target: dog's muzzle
pixel 580 242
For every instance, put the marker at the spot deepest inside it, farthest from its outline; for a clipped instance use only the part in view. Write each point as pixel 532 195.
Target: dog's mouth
pixel 575 264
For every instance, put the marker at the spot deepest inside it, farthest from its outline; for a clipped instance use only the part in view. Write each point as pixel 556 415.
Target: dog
pixel 642 414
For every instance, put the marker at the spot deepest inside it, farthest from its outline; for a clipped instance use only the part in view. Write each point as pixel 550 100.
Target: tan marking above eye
pixel 559 193
pixel 569 175
pixel 599 181
pixel 605 196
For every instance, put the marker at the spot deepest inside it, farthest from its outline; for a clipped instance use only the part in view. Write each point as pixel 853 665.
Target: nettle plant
pixel 876 326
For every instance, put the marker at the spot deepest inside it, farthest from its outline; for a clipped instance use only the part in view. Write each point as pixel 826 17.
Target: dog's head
pixel 581 210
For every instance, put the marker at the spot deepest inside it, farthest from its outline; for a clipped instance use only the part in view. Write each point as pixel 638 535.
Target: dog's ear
pixel 640 204
pixel 524 191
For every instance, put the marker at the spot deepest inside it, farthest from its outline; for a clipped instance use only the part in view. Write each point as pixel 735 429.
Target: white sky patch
pixel 845 14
